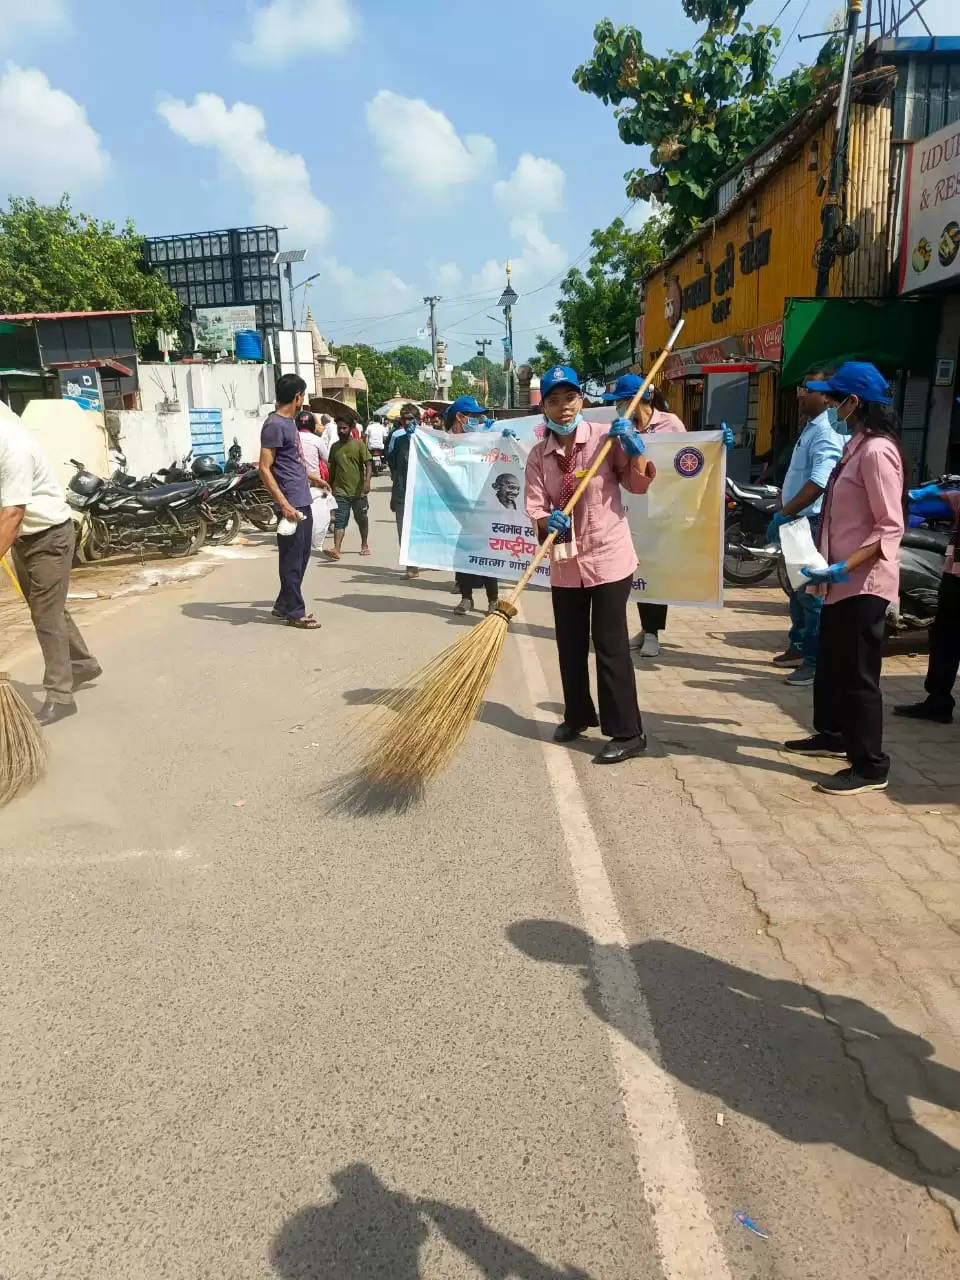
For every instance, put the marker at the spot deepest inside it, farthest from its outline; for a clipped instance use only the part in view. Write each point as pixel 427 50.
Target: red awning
pixel 92 364
pixel 67 315
pixel 701 370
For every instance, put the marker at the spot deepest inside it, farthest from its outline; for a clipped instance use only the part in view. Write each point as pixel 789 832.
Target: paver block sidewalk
pixel 861 894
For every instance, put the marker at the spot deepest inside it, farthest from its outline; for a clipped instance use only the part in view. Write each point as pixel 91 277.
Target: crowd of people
pixel 845 479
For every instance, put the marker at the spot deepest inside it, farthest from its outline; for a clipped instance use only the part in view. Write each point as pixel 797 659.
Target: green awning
pixel 895 333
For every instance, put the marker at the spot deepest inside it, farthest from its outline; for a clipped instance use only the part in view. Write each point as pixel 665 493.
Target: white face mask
pixel 569 429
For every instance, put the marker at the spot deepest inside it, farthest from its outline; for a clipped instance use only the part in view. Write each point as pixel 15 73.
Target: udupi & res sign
pixel 930 250
pixel 753 254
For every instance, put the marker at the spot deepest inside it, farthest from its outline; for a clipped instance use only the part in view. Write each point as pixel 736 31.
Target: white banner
pixel 464 511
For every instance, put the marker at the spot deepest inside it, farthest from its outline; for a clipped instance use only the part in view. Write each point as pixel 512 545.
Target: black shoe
pixel 51 712
pixel 925 710
pixel 566 732
pixel 94 673
pixel 618 749
pixel 818 745
pixel 848 783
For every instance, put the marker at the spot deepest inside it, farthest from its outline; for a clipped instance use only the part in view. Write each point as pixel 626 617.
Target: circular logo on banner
pixel 689 462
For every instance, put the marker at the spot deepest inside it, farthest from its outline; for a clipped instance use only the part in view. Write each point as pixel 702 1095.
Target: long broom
pixel 22 756
pixel 438 704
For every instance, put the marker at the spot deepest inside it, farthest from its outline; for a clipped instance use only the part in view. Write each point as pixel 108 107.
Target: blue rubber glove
pixel 508 433
pixel 773 528
pixel 557 522
pixel 927 491
pixel 832 573
pixel 727 435
pixel 622 429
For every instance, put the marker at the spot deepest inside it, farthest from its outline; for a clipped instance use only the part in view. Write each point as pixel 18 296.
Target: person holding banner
pixel 398 460
pixel 593 561
pixel 651 416
pixel 460 417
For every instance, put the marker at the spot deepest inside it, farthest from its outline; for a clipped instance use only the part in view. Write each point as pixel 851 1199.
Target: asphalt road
pixel 251 1030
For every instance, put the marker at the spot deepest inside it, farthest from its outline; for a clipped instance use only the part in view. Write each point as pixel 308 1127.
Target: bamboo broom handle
pixel 12 576
pixel 551 538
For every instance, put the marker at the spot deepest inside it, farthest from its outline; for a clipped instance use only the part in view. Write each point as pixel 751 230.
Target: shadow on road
pixel 371 1231
pixel 237 613
pixel 776 1050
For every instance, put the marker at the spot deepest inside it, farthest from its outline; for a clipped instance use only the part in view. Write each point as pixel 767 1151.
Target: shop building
pixel 745 282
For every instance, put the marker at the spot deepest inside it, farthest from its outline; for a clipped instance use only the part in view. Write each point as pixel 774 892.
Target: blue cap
pixel 465 404
pixel 856 378
pixel 556 376
pixel 628 384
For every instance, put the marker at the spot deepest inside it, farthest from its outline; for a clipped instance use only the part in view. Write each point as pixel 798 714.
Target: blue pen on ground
pixel 745 1221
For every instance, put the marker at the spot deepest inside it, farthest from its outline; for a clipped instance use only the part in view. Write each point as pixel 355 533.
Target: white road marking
pixel 688 1243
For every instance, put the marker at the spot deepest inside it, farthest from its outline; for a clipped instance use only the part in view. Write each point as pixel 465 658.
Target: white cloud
pixel 448 276
pixel 277 181
pixel 284 30
pixel 537 260
pixel 421 145
pixel 638 214
pixel 380 292
pixel 47 145
pixel 535 187
pixel 31 17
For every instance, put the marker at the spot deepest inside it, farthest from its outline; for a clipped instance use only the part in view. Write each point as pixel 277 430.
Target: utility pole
pixel 507 299
pixel 431 302
pixel 482 344
pixel 832 211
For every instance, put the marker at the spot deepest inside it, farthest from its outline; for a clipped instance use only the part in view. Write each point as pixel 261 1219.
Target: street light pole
pixel 286 258
pixel 431 302
pixel 507 299
pixel 482 344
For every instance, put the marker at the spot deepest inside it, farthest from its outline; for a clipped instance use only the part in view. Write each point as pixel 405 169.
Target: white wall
pixel 207 385
pixel 66 431
pixel 150 439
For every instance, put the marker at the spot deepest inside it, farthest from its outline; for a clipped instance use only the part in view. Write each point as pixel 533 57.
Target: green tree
pixel 408 359
pixel 496 379
pixel 599 305
pixel 384 378
pixel 547 355
pixel 52 259
pixel 701 110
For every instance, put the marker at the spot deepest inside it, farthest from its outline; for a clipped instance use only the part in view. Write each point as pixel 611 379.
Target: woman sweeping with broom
pixel 593 561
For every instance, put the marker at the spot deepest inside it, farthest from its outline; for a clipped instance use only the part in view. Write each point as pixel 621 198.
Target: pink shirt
pixel 864 504
pixel 953 499
pixel 604 547
pixel 661 420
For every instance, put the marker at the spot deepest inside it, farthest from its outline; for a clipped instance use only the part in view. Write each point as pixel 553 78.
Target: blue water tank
pixel 249 345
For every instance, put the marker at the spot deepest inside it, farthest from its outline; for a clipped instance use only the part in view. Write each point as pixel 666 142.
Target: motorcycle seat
pixel 165 494
pixel 926 540
pixel 218 483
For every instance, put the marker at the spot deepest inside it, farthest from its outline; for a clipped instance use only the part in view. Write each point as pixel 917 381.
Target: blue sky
pixel 413 147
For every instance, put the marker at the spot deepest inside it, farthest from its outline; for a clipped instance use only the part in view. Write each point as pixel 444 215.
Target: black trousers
pixel 468 582
pixel 847 703
pixel 653 617
pixel 294 558
pixel 945 644
pixel 601 611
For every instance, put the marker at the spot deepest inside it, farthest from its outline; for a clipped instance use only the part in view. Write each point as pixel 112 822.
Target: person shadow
pixel 370 1231
pixel 775 1050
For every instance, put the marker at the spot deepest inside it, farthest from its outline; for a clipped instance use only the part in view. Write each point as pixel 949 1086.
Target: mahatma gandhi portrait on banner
pixel 507 489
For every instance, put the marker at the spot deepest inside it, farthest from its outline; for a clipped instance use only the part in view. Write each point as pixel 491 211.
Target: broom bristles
pixel 436 708
pixel 22 755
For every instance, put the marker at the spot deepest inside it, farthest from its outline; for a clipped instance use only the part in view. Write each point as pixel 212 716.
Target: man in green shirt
pixel 350 466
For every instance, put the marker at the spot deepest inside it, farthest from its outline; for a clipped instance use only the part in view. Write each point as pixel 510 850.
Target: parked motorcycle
pixel 746 559
pixel 113 518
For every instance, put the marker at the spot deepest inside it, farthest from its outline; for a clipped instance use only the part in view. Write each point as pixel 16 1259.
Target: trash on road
pixel 238 804
pixel 746 1221
pixel 720 1119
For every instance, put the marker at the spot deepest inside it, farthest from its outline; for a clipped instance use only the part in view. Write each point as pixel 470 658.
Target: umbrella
pixel 391 409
